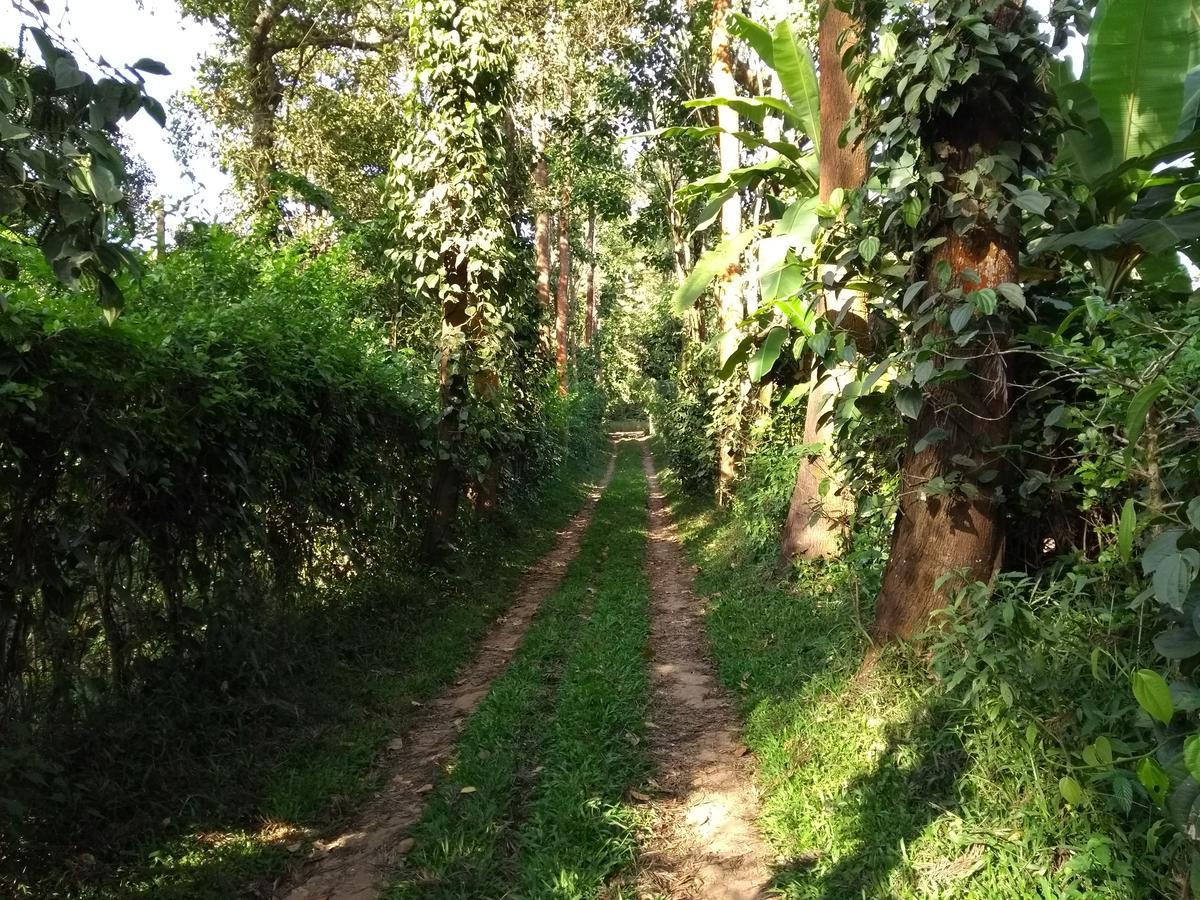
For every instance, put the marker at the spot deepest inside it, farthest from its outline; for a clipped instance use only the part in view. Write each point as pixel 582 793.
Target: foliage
pixel 62 174
pixel 213 783
pixel 302 90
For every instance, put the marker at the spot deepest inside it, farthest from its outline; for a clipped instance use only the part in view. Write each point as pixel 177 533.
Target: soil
pixel 704 842
pixel 354 864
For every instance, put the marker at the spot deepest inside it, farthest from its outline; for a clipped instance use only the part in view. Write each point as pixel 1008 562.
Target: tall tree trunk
pixel 729 297
pixel 815 522
pixel 959 531
pixel 453 371
pixel 266 93
pixel 541 222
pixel 564 285
pixel 590 323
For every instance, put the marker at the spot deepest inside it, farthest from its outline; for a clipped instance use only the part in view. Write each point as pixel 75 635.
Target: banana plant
pixel 1136 109
pixel 788 178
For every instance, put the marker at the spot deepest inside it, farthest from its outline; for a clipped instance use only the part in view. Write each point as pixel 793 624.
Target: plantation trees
pixel 451 192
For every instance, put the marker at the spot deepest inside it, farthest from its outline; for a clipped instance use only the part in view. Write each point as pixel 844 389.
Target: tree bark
pixel 541 226
pixel 447 481
pixel 591 322
pixel 266 93
pixel 959 531
pixel 729 299
pixel 564 284
pixel 815 523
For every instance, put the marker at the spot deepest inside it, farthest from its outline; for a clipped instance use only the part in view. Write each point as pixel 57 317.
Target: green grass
pixel 254 771
pixel 882 784
pixel 532 804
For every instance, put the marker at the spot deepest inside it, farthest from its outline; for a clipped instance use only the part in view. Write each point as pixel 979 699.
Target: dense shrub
pixel 169 480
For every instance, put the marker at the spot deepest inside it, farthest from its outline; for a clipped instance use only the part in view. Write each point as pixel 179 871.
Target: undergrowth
pixel 534 795
pixel 934 775
pixel 235 781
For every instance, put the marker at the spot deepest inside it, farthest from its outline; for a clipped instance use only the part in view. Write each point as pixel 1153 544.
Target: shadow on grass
pixel 209 782
pixel 913 782
pixel 852 767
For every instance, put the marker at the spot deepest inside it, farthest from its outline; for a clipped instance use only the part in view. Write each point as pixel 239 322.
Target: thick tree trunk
pixel 453 372
pixel 958 531
pixel 564 285
pixel 729 297
pixel 591 311
pixel 815 523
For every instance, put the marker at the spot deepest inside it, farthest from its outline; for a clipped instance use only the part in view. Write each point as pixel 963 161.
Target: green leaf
pixel 1191 755
pixel 1153 779
pixel 1172 581
pixel 1153 695
pixel 1193 513
pixel 1125 531
pixel 1071 790
pixel 960 316
pixel 153 66
pixel 868 248
pixel 1139 409
pixel 782 282
pixel 1138 56
pixel 1012 293
pixel 715 262
pixel 1189 119
pixel 1177 643
pixel 909 401
pixel 103 184
pixel 764 357
pixel 798 75
pixel 1032 201
pixel 756 35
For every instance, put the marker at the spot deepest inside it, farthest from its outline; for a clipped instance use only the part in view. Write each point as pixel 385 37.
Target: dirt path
pixel 353 865
pixel 705 845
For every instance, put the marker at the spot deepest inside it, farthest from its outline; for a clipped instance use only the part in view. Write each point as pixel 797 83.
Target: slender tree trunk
pixel 266 92
pixel 815 522
pixel 962 531
pixel 729 297
pixel 160 228
pixel 541 226
pixel 589 326
pixel 564 285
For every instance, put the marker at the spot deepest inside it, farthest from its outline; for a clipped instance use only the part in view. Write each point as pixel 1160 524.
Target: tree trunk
pixel 266 92
pixel 541 226
pixel 453 371
pixel 959 531
pixel 591 322
pixel 728 287
pixel 815 523
pixel 564 284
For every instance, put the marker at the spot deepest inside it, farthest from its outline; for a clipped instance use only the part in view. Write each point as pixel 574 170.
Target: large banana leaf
pixel 1139 54
pixel 792 63
pixel 798 75
pixel 713 263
